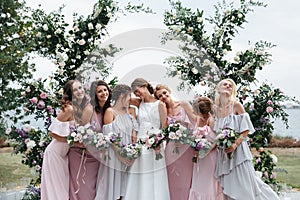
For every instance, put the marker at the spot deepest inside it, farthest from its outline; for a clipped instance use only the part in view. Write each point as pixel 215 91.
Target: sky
pixel 277 23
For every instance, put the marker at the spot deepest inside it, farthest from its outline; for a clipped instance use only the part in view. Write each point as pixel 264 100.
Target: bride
pixel 148 177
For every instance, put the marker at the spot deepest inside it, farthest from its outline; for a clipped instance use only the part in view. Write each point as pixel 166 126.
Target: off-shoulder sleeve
pixel 107 128
pixel 60 128
pixel 245 123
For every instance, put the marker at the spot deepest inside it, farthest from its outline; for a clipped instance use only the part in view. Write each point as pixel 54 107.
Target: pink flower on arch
pixel 269 102
pixel 41 104
pixel 43 95
pixel 269 109
pixel 33 100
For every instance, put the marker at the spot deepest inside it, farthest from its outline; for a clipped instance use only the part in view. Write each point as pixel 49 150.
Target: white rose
pixel 81 42
pixel 98 26
pixel 236 59
pixel 274 158
pixel 258 174
pixel 48 36
pixel 194 70
pixel 93 59
pixel 199 19
pixel 73 134
pixel 206 62
pixel 26 128
pixel 240 15
pixel 8 131
pixel 31 144
pixel 83 34
pixel 58 31
pixel 80 129
pixel 45 27
pixel 90 26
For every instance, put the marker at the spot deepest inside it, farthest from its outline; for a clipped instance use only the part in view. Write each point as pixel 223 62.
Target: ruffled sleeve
pixel 107 128
pixel 245 123
pixel 60 128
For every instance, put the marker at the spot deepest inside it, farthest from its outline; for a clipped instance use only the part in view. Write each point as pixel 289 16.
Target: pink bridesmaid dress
pixel 179 166
pixel 204 184
pixel 55 170
pixel 83 167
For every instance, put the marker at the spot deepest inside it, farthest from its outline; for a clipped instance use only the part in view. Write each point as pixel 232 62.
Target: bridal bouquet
pixel 225 138
pixel 130 151
pixel 177 133
pixel 77 133
pixel 153 141
pixel 200 143
pixel 97 139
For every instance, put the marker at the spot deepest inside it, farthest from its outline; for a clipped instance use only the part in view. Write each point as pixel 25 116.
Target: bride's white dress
pixel 148 177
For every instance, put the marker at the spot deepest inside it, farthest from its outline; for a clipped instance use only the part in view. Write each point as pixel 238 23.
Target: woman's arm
pixel 57 137
pixel 87 114
pixel 108 116
pixel 134 135
pixel 189 111
pixel 162 114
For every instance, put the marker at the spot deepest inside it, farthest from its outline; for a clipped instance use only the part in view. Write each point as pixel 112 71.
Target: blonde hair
pixel 160 87
pixel 234 91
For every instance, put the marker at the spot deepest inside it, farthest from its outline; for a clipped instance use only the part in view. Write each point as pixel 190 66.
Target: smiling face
pixel 140 92
pixel 102 93
pixel 78 91
pixel 163 95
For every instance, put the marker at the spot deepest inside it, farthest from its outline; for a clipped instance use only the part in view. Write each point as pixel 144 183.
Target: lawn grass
pixel 12 170
pixel 288 159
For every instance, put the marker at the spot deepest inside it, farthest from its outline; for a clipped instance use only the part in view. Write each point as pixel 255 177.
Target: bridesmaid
pixel 204 184
pixel 55 171
pixel 100 94
pixel 83 166
pixel 119 119
pixel 237 175
pixel 179 166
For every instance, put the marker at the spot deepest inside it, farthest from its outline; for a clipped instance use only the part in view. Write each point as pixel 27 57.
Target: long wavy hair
pixel 95 100
pixel 67 95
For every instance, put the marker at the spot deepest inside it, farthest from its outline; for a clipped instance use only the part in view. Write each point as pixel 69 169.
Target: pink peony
pixel 269 102
pixel 33 100
pixel 43 95
pixel 50 109
pixel 28 89
pixel 37 168
pixel 269 109
pixel 41 104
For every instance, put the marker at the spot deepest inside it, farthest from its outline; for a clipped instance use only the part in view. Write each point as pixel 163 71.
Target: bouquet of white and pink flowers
pixel 130 151
pixel 153 141
pixel 76 134
pixel 225 138
pixel 98 140
pixel 176 132
pixel 200 143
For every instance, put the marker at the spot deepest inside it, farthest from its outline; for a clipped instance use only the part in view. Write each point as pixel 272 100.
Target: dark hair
pixel 118 90
pixel 94 99
pixel 67 95
pixel 202 105
pixel 140 82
